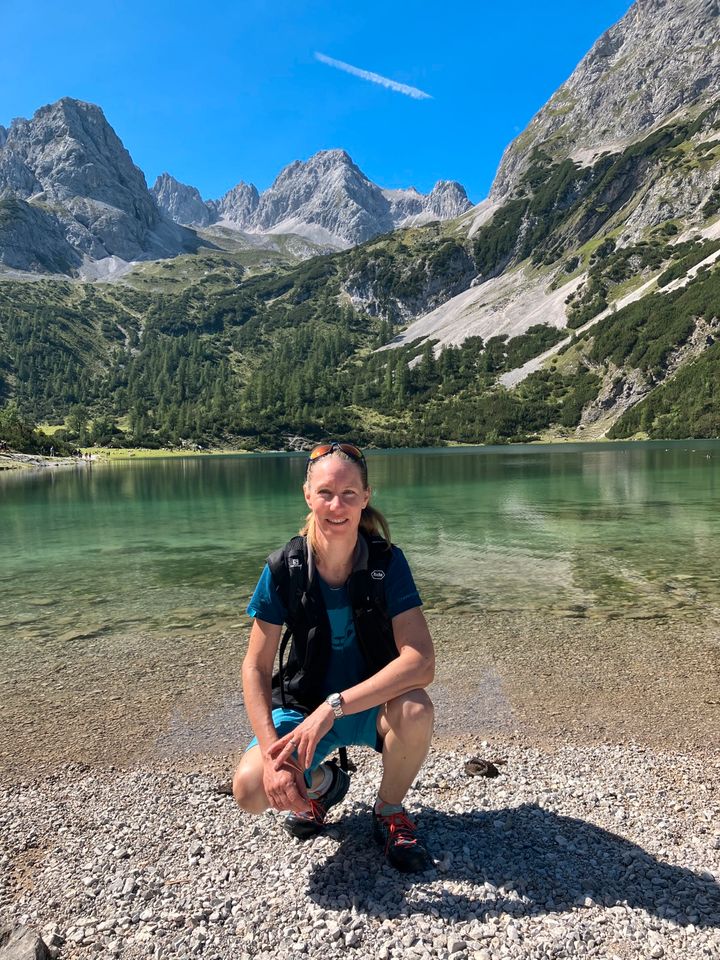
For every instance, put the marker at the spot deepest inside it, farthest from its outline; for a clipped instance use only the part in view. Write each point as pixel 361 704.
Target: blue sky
pixel 222 92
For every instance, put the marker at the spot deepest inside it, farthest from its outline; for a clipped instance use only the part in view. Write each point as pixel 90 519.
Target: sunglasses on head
pixel 349 449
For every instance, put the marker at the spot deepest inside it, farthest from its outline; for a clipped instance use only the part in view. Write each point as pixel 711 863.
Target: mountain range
pixel 70 196
pixel 581 298
pixel 326 199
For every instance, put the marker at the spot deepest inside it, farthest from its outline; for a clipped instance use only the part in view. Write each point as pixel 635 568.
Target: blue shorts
pixel 357 729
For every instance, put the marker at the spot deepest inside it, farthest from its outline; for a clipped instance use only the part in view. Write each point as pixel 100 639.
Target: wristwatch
pixel 335 701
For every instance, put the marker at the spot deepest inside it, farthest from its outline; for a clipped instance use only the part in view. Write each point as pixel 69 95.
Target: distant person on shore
pixel 354 662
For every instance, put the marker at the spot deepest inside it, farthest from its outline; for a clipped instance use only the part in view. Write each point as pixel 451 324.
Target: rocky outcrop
pixel 22 943
pixel 401 285
pixel 662 58
pixel 681 190
pixel 181 203
pixel 32 239
pixel 619 391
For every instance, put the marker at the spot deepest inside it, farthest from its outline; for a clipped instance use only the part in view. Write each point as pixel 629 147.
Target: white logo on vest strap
pixel 378 574
pixel 294 562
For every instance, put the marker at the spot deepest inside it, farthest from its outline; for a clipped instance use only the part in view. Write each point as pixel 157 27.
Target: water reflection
pixel 623 530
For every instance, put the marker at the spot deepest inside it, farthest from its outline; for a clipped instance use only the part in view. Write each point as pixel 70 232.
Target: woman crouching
pixel 354 662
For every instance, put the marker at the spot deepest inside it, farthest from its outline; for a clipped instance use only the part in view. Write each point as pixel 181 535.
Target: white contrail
pixel 374 78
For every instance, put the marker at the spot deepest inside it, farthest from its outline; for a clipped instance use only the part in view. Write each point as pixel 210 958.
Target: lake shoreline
pixel 12 460
pixel 140 453
pixel 174 703
pixel 570 643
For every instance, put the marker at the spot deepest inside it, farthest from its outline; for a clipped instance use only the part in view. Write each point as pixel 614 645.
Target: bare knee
pixel 411 715
pixel 247 790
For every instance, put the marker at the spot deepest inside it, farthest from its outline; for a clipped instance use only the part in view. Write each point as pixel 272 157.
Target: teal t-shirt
pixel 346 665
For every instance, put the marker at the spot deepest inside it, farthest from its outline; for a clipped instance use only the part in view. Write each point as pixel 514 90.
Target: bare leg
pixel 406 725
pixel 248 787
pixel 248 782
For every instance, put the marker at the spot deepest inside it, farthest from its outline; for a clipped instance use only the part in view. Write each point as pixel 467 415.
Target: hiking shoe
pixel 305 825
pixel 396 832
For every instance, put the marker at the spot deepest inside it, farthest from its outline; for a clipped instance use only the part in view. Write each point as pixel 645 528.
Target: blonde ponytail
pixel 374 523
pixel 308 530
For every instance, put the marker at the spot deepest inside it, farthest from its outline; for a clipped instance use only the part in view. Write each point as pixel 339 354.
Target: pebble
pixel 154 864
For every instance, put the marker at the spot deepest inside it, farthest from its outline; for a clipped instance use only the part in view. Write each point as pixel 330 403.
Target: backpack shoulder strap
pixel 369 585
pixel 378 563
pixel 288 566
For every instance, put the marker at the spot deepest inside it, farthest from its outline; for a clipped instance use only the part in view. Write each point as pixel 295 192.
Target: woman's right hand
pixel 285 788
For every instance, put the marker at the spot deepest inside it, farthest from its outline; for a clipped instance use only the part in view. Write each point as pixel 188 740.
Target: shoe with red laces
pixel 306 825
pixel 396 832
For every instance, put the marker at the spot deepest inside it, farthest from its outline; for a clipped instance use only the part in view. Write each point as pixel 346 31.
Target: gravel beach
pixel 11 460
pixel 599 838
pixel 575 852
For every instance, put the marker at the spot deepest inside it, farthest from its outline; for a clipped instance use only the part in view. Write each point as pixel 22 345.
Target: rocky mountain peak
pixel 323 197
pixel 72 151
pixel 661 58
pixel 70 165
pixel 328 196
pixel 447 200
pixel 323 160
pixel 237 205
pixel 312 172
pixel 180 202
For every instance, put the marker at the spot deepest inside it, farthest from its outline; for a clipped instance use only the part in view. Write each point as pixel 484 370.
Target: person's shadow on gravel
pixel 522 861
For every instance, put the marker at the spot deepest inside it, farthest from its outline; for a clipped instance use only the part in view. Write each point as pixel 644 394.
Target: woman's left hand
pixel 303 739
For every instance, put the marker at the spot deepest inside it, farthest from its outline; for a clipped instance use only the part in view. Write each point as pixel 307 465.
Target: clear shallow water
pixel 161 546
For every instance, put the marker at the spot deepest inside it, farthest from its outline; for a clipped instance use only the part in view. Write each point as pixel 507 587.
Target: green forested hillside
pixel 278 356
pixel 687 403
pixel 288 354
pixel 687 406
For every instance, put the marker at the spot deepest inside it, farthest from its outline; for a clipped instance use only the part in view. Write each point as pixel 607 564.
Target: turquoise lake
pixel 621 530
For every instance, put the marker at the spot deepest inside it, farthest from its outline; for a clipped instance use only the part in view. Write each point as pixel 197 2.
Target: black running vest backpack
pixel 298 683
